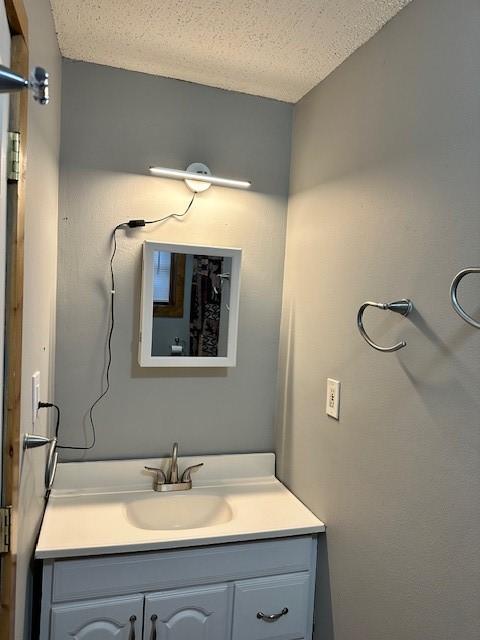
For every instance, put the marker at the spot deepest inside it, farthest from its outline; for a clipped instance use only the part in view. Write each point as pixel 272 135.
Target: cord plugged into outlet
pixel 51 405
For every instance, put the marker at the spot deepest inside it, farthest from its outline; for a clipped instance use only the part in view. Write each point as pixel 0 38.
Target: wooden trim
pixel 17 19
pixel 174 308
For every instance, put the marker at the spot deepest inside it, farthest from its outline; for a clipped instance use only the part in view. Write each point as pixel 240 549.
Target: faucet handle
pixel 186 474
pixel 161 477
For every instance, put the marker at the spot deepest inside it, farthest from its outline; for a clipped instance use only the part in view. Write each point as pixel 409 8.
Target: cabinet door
pixel 119 618
pixel 199 613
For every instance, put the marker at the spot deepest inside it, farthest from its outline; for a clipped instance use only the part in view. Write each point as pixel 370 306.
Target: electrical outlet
pixel 333 398
pixel 35 397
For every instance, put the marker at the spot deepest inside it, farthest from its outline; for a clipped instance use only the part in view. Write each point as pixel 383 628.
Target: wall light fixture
pixel 198 177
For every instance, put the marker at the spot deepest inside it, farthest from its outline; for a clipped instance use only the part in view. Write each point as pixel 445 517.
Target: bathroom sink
pixel 109 507
pixel 178 511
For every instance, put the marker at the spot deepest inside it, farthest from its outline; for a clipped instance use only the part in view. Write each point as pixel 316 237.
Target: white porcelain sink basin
pixel 167 511
pixel 109 507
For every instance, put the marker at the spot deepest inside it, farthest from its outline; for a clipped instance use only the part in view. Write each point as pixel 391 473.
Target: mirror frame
pixel 145 357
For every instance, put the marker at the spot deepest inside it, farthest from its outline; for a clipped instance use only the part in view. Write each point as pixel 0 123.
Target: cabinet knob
pixel 132 620
pixel 153 633
pixel 273 617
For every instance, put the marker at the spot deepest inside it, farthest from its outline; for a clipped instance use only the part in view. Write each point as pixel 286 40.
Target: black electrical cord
pixel 47 405
pixel 132 224
pixel 142 223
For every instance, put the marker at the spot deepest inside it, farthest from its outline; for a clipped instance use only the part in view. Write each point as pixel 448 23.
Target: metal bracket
pixel 38 83
pixel 5 525
pixel 13 160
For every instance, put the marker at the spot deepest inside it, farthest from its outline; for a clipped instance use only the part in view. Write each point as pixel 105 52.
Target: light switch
pixel 333 398
pixel 35 396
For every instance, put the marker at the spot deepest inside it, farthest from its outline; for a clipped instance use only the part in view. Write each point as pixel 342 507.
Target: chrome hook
pixel 403 307
pixel 38 83
pixel 453 296
pixel 222 277
pixel 31 441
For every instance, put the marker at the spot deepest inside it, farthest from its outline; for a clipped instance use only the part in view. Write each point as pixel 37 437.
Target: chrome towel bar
pixel 453 296
pixel 403 307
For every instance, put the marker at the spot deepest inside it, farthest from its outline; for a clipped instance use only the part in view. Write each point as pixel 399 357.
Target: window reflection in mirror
pixel 190 314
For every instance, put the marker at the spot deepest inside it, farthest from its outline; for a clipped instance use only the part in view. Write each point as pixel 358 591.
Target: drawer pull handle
pixel 153 634
pixel 132 620
pixel 272 618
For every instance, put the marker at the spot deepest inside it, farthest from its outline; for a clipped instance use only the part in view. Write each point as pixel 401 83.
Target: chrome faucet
pixel 169 481
pixel 173 473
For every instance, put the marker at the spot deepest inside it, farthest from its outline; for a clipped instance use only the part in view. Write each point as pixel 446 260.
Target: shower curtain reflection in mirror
pixel 205 308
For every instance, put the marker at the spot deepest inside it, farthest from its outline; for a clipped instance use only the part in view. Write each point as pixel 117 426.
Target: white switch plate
pixel 35 396
pixel 333 398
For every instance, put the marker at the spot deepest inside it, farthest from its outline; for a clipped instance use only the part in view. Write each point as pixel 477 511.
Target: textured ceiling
pixel 274 48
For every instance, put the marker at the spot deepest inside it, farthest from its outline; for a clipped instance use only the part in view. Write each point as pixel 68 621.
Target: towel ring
pixel 403 307
pixel 453 296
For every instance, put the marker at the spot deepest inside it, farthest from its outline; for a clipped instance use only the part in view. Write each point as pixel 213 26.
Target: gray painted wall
pixel 385 195
pixel 41 224
pixel 115 124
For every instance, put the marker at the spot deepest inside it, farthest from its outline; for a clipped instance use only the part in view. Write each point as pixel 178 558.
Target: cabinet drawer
pixel 105 576
pixel 271 596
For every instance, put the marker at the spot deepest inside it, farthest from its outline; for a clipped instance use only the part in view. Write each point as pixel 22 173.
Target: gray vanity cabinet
pixel 259 590
pixel 185 614
pixel 116 618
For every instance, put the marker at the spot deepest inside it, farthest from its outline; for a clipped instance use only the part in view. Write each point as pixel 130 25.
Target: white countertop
pixel 88 509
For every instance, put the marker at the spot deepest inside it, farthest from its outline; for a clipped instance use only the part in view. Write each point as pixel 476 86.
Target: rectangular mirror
pixel 189 306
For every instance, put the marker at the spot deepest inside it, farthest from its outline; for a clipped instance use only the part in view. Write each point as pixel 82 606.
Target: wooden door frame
pixel 17 19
